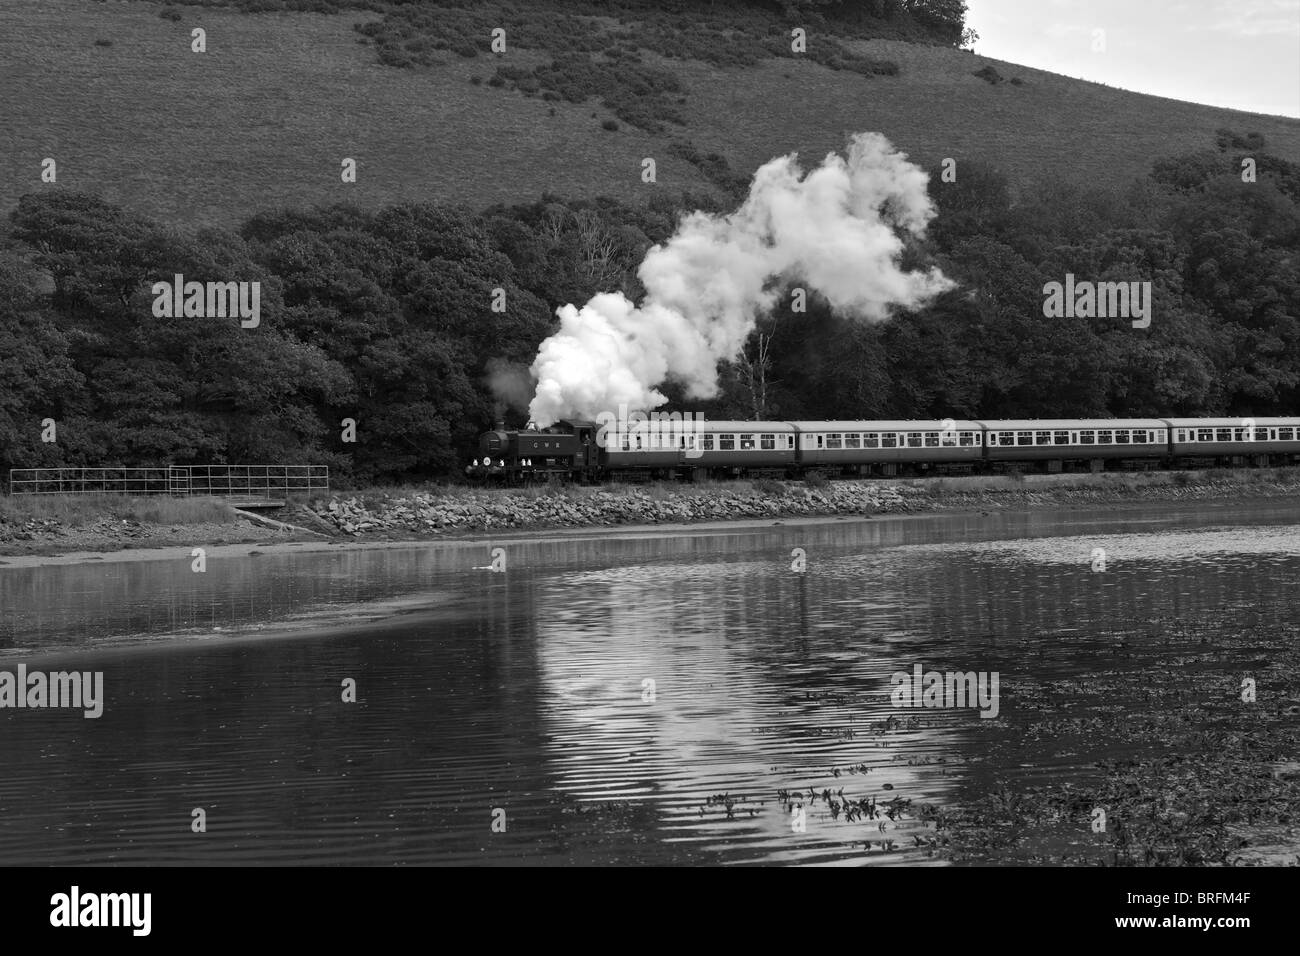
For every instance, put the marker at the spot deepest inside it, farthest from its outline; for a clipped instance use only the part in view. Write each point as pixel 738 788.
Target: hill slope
pixel 263 118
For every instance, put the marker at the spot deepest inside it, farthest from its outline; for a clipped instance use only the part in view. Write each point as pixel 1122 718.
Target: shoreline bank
pixel 385 518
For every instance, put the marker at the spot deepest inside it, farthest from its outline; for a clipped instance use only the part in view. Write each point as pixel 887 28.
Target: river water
pixel 586 704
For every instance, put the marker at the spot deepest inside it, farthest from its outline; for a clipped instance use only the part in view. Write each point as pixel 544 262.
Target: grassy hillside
pixel 114 94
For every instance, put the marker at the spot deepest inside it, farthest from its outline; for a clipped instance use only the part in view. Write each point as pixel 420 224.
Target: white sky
pixel 1243 54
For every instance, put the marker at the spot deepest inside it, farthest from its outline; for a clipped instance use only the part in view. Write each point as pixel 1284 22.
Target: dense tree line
pixel 387 318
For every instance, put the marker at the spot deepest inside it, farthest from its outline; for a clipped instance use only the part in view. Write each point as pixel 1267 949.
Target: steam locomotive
pixel 694 450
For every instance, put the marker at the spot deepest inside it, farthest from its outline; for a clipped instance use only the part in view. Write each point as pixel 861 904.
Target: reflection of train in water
pixel 692 450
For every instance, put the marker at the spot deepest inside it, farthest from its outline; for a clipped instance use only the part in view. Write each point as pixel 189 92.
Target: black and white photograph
pixel 636 434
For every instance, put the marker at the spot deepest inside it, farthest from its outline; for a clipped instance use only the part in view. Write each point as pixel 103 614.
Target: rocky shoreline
pixel 465 511
pixel 485 511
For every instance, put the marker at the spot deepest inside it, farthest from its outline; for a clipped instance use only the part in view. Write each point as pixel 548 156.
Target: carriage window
pixel 1241 434
pixel 708 442
pixel 767 442
pixel 1024 438
pixel 1104 437
pixel 888 440
pixel 913 439
pixel 853 441
pixel 1205 434
pixel 834 440
pixel 726 443
pixel 948 439
pixel 931 439
pixel 1061 438
pixel 1223 434
pixel 1042 438
pixel 1162 436
pixel 870 440
pixel 1121 437
pixel 746 442
pixel 1285 434
pixel 966 439
pixel 1181 435
pixel 789 441
pixel 1088 437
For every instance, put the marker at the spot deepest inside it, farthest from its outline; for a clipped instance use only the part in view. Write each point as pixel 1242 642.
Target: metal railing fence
pixel 227 481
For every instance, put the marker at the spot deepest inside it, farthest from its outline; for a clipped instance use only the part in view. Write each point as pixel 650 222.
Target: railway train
pixel 693 450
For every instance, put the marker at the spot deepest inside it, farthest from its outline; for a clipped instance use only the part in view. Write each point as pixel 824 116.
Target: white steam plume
pixel 832 230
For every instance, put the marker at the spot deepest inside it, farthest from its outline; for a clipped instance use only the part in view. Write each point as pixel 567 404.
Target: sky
pixel 1242 54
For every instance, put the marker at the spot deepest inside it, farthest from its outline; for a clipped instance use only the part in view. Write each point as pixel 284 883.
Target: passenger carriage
pixel 743 448
pixel 1059 441
pixel 701 448
pixel 1240 441
pixel 880 447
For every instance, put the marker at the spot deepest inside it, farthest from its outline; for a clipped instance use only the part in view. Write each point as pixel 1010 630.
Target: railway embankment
pixel 100 525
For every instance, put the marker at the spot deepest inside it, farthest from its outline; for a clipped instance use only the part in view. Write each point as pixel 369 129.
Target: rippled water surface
pixel 526 695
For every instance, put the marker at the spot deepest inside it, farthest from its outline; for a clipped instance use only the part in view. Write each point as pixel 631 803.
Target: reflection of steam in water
pixel 761 683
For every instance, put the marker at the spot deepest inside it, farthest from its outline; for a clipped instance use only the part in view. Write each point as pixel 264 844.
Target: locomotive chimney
pixel 500 426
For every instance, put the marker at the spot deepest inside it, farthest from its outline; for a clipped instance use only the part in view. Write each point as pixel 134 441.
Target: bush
pixel 815 479
pixel 103 43
pixel 869 67
pixel 611 125
pixel 170 13
pixel 714 167
pixel 392 56
pixel 769 487
pixel 989 75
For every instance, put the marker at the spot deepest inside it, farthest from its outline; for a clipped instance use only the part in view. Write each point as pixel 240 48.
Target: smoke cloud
pixel 511 384
pixel 836 231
